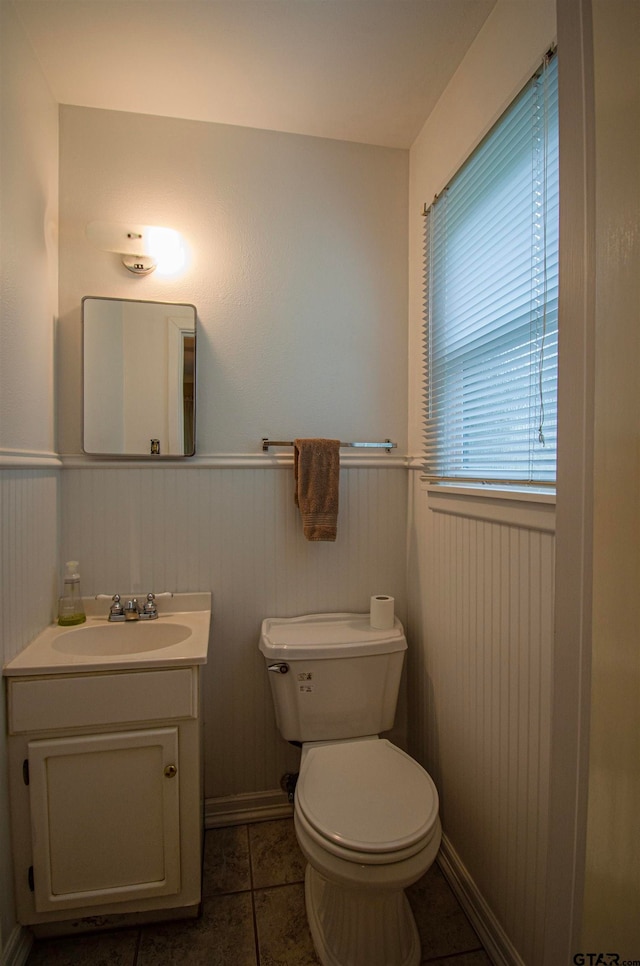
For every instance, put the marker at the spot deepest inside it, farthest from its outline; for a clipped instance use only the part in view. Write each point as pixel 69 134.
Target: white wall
pixel 236 532
pixel 298 270
pixel 480 611
pixel 28 300
pixel 28 260
pixel 477 660
pixel 298 267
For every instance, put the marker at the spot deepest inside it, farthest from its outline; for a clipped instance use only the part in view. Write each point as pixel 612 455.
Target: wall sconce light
pixel 143 248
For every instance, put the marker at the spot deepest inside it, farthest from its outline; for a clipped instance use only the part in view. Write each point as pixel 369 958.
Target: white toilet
pixel 366 813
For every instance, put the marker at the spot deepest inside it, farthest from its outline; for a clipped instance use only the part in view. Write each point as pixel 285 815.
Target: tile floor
pixel 253 915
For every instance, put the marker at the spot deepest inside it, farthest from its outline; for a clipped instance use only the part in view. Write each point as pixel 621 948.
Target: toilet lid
pixel 366 795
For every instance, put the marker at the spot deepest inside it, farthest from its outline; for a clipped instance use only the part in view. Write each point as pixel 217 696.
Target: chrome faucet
pixel 132 611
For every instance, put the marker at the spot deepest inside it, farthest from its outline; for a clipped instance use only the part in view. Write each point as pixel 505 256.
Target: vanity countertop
pixel 181 631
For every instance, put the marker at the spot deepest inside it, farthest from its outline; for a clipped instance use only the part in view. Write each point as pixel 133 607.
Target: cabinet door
pixel 104 817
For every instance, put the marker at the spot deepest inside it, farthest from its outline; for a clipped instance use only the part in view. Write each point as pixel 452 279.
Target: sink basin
pixel 178 638
pixel 129 637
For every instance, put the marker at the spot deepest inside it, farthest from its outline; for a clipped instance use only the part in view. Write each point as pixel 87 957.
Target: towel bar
pixel 387 444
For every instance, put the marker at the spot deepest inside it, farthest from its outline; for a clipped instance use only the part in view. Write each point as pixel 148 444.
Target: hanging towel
pixel 316 467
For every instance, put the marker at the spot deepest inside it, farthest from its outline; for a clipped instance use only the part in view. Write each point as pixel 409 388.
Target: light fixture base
pixel 139 264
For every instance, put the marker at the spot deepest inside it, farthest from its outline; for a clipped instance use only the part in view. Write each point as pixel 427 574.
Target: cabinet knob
pixel 170 771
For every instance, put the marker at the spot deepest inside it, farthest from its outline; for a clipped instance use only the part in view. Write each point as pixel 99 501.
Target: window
pixel 491 301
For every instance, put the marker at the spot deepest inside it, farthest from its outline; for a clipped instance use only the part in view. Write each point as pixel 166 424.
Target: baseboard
pixel 16 952
pixel 248 807
pixel 497 944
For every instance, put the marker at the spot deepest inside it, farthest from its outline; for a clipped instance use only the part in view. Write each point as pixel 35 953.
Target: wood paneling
pixel 480 626
pixel 237 533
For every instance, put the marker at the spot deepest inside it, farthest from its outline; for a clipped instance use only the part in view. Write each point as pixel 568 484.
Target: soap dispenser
pixel 70 606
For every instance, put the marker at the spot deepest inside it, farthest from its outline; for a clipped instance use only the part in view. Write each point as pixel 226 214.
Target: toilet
pixel 366 814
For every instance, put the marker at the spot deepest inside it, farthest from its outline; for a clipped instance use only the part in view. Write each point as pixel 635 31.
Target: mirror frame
pixel 178 333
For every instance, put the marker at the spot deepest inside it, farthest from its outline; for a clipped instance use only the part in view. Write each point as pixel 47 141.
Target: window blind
pixel 491 301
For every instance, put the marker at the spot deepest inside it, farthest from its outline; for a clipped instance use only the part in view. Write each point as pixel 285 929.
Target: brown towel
pixel 316 467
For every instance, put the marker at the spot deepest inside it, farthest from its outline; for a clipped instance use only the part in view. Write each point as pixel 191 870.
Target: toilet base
pixel 352 927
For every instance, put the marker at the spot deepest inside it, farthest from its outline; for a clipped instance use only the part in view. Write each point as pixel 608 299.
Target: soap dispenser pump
pixel 70 606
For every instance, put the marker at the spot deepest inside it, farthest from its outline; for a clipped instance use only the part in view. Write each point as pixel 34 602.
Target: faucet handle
pixel 149 609
pixel 116 611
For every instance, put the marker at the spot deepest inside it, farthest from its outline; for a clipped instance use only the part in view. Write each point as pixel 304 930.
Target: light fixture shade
pixel 143 247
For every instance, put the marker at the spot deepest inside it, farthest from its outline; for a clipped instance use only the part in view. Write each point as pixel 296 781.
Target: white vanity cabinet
pixel 105 786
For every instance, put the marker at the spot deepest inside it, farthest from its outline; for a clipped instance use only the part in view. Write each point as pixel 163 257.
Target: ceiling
pixel 359 70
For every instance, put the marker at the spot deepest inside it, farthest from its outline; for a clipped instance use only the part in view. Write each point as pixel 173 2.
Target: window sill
pixel 526 508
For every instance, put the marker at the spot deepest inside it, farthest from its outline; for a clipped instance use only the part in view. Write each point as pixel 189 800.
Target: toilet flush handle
pixel 280 667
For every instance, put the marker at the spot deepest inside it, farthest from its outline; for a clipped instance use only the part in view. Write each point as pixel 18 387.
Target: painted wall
pixel 28 301
pixel 235 531
pixel 29 247
pixel 298 267
pixel 481 577
pixel 298 261
pixel 612 886
pixel 241 516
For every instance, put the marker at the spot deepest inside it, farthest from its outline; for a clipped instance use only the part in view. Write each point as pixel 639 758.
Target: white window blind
pixel 491 301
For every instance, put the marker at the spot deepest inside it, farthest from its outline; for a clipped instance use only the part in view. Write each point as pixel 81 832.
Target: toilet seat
pixel 366 801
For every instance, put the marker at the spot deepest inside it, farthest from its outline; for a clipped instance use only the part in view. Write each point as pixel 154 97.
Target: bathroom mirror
pixel 139 375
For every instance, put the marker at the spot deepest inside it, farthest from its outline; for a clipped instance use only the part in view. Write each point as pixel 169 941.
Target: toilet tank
pixel 332 676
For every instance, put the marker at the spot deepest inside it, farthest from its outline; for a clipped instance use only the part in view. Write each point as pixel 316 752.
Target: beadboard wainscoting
pixel 29 555
pixel 480 619
pixel 235 531
pixel 28 578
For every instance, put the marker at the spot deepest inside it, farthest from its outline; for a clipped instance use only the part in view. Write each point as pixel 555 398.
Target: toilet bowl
pixel 366 820
pixel 366 813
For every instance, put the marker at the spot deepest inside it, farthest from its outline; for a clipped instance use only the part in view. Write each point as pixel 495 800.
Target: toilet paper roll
pixel 381 614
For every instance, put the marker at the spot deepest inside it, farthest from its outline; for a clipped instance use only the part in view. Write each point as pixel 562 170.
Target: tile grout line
pixel 451 957
pixel 136 951
pixel 253 899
